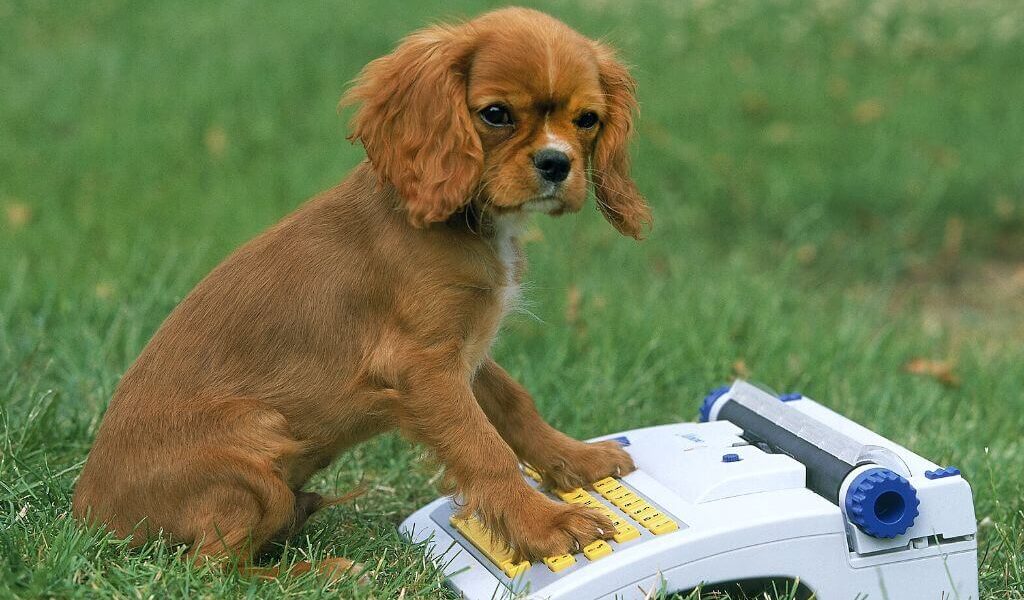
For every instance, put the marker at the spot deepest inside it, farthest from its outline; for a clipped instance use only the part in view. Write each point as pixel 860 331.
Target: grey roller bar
pixel 768 406
pixel 828 455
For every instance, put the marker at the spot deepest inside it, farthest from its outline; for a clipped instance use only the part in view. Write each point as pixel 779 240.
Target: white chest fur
pixel 506 229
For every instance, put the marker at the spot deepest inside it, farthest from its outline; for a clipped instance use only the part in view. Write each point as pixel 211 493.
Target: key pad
pixel 495 551
pixel 639 515
pixel 636 507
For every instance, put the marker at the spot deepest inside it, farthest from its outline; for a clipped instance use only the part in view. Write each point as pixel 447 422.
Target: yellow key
pixel 649 516
pixel 514 569
pixel 663 525
pixel 625 533
pixel 640 511
pixel 614 518
pixel 596 550
pixel 605 484
pixel 634 506
pixel 610 492
pixel 473 530
pixel 560 562
pixel 618 492
pixel 623 499
pixel 574 496
pixel 534 475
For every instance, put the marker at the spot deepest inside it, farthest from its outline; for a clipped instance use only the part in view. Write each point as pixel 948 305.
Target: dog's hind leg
pixel 243 521
pixel 241 511
pixel 246 502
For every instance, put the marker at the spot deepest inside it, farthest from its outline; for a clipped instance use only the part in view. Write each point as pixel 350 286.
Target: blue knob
pixel 942 472
pixel 709 401
pixel 881 503
pixel 731 458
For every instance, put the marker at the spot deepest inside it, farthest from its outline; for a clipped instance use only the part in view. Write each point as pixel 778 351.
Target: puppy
pixel 374 307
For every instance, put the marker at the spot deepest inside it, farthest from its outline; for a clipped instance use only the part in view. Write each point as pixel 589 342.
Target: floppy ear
pixel 415 125
pixel 617 196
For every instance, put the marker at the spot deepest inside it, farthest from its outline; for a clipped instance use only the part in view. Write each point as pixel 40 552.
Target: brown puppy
pixel 375 304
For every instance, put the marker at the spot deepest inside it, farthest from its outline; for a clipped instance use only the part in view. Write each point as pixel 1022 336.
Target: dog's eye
pixel 496 115
pixel 587 120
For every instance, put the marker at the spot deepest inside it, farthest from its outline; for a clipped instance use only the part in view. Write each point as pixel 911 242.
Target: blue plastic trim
pixel 942 472
pixel 709 401
pixel 881 503
pixel 728 458
pixel 791 397
pixel 622 440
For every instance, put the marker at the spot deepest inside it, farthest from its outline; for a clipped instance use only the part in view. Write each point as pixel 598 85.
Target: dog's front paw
pixel 556 529
pixel 586 463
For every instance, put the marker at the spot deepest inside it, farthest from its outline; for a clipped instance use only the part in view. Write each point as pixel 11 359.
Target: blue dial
pixel 881 503
pixel 709 401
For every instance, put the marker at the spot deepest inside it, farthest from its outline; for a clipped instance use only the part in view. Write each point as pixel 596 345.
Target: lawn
pixel 838 189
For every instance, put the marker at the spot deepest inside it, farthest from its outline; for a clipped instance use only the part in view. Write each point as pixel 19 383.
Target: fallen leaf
pixel 940 370
pixel 1004 207
pixel 838 87
pixel 779 133
pixel 18 214
pixel 1017 280
pixel 953 239
pixel 104 290
pixel 868 111
pixel 806 254
pixel 659 265
pixel 739 369
pixel 216 141
pixel 945 157
pixel 755 105
pixel 572 304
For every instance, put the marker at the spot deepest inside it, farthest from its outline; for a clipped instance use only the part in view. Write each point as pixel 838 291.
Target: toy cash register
pixel 765 488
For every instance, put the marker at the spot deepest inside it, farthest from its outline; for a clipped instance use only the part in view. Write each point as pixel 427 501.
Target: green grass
pixel 838 188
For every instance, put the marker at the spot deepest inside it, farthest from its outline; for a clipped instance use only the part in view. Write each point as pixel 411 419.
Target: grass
pixel 838 187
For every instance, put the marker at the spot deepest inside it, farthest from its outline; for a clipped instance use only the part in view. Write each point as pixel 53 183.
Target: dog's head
pixel 511 110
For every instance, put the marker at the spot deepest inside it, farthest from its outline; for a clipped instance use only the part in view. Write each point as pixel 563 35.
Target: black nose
pixel 553 165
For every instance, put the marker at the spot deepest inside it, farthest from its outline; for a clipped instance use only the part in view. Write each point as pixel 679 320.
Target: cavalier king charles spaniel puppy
pixel 374 306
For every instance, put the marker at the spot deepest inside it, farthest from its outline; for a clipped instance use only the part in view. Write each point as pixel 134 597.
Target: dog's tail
pixel 359 490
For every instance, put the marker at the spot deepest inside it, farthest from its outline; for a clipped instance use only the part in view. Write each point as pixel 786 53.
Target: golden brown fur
pixel 374 306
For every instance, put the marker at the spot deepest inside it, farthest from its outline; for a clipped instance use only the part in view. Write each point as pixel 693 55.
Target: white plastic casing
pixel 741 520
